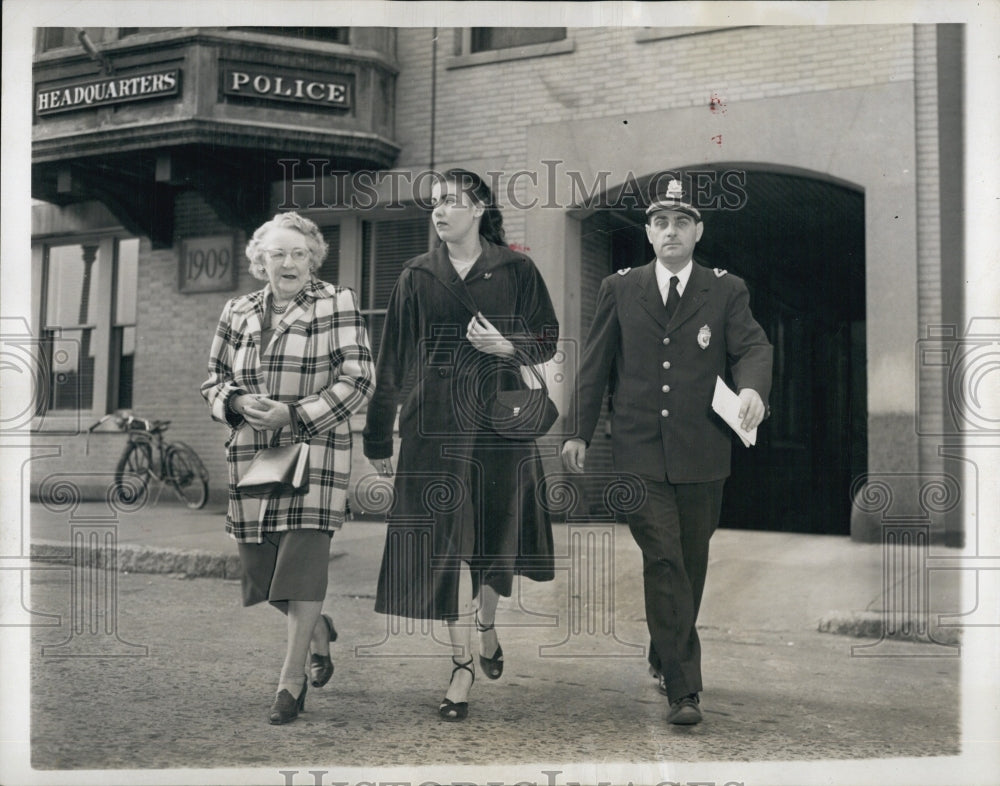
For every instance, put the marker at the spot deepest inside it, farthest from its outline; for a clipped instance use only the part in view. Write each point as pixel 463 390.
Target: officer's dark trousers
pixel 673 528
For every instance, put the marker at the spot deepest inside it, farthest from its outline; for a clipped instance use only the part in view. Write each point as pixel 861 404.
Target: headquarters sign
pixel 111 90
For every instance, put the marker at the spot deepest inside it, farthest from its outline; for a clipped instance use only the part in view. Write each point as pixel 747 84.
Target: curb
pixel 141 559
pixel 878 625
pixel 125 558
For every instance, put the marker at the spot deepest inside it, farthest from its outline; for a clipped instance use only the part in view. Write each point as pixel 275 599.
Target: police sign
pixel 320 91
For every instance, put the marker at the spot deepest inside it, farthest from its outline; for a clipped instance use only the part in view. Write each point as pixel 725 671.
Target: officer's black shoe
pixel 661 681
pixel 685 711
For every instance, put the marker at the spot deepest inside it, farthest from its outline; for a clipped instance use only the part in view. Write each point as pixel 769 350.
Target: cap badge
pixel 704 336
pixel 675 190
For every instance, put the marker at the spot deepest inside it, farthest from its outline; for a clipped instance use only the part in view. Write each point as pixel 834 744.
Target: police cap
pixel 673 200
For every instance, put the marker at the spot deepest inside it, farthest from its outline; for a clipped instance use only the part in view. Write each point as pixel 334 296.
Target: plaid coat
pixel 320 363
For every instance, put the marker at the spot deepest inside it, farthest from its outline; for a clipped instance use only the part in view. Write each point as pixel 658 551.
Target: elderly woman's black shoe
pixel 321 666
pixel 286 707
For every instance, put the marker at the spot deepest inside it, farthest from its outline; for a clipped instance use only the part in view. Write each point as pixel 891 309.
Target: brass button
pixel 664 412
pixel 665 388
pixel 666 364
pixel 666 340
pixel 443 372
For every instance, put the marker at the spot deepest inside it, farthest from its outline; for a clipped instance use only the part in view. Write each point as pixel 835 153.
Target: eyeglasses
pixel 279 254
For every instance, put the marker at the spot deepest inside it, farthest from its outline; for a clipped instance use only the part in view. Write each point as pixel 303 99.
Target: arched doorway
pixel 799 242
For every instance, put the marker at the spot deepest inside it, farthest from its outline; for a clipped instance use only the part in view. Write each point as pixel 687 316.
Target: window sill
pixel 514 53
pixel 63 424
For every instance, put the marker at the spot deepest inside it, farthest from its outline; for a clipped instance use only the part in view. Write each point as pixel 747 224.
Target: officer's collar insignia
pixel 487 276
pixel 719 272
pixel 623 271
pixel 705 335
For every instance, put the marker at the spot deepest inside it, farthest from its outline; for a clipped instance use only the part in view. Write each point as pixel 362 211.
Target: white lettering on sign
pixel 107 91
pixel 287 87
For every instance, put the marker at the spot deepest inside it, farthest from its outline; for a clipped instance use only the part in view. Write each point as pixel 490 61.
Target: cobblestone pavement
pixel 197 694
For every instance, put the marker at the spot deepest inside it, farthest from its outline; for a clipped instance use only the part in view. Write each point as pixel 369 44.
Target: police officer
pixel 663 332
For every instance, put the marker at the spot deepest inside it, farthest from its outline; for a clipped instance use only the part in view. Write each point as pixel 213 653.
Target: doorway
pixel 799 243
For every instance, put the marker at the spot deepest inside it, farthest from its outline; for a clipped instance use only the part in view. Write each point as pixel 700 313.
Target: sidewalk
pixel 767 581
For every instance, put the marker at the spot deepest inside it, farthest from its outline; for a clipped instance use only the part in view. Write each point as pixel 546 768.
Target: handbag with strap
pixel 523 414
pixel 277 470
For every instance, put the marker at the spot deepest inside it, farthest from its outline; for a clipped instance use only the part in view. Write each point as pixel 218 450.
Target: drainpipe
pixel 434 60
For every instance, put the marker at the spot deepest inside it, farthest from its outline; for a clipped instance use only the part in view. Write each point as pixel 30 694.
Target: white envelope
pixel 727 405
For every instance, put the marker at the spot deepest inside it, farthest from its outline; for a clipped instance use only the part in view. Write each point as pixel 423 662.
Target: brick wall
pixel 928 212
pixel 483 110
pixel 175 334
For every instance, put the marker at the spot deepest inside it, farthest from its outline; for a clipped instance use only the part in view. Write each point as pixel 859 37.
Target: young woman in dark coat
pixel 467 515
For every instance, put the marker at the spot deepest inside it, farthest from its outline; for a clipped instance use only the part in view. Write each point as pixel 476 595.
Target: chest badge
pixel 704 336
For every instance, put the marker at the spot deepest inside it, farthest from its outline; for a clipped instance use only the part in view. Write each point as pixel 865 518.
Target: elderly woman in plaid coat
pixel 291 360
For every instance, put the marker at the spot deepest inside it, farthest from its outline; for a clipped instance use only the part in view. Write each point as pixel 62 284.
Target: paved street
pixel 197 696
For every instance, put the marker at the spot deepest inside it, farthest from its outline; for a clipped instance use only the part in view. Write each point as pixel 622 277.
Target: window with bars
pixel 329 271
pixel 89 325
pixel 385 247
pixel 484 39
pixel 476 46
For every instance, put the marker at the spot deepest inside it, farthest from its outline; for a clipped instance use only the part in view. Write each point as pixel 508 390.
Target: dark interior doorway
pixel 799 242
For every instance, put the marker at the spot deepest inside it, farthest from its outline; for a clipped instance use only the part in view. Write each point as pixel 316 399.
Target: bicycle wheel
pixel 187 475
pixel 132 474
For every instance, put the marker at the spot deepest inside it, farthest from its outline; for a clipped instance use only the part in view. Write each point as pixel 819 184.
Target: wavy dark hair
pixel 491 223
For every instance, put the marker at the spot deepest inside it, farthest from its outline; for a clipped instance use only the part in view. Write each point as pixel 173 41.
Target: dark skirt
pixel 475 500
pixel 288 565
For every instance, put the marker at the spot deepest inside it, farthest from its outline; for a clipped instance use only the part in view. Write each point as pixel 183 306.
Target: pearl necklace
pixel 276 309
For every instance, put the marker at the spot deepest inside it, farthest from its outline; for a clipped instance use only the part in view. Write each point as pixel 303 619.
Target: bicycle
pixel 147 454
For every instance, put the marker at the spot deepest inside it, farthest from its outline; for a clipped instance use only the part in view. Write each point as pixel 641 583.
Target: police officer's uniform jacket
pixel 663 375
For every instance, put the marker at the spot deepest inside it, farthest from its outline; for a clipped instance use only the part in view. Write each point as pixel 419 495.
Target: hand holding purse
pixel 277 470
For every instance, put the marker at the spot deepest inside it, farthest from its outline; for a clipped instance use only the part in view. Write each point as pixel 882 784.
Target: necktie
pixel 673 297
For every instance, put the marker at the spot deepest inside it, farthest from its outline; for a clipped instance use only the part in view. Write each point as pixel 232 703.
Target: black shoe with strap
pixel 493 666
pixel 286 707
pixel 321 666
pixel 457 710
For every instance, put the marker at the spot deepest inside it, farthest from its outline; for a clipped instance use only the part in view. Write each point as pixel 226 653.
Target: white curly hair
pixel 314 240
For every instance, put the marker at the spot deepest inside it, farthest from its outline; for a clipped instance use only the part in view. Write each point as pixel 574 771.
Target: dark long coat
pixel 461 492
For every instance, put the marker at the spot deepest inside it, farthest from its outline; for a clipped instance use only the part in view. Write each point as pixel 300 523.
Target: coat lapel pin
pixel 704 336
pixel 487 276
